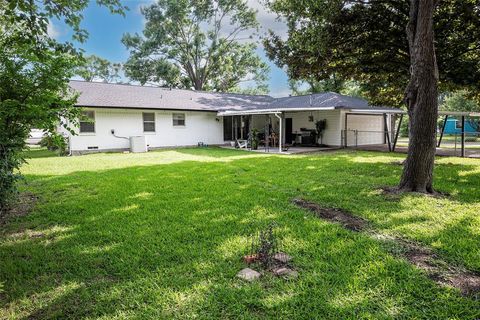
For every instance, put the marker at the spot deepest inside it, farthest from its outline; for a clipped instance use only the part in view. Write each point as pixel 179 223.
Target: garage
pixel 364 129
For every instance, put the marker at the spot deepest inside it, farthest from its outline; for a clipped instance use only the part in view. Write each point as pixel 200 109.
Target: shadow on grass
pixel 215 152
pixel 166 241
pixel 35 153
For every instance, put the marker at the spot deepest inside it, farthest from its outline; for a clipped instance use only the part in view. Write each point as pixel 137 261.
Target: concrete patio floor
pixel 445 152
pixel 291 150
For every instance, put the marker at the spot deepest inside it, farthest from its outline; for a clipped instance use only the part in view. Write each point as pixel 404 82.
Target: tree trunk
pixel 421 99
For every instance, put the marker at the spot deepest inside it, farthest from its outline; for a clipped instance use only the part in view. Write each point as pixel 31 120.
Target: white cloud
pixel 53 31
pixel 268 20
pixel 284 92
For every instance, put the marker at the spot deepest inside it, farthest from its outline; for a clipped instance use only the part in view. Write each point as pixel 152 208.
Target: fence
pixel 454 141
pixel 355 138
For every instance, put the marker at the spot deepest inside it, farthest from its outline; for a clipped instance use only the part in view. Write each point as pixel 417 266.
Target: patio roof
pixel 313 102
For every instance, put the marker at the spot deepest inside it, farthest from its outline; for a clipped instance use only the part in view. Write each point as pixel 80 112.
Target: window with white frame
pixel 178 119
pixel 87 122
pixel 148 122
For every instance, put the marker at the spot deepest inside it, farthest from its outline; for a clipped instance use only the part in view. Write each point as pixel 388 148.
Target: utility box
pixel 138 144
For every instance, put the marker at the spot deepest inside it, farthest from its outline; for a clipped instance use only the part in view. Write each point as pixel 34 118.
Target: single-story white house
pixel 125 117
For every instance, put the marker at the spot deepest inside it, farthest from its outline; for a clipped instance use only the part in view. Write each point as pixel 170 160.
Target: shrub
pixel 55 142
pixel 10 161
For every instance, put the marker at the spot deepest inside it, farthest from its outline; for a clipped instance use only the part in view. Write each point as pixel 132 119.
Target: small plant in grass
pixel 267 246
pixel 263 247
pixel 264 254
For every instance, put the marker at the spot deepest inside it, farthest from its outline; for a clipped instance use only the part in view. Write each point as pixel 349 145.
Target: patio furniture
pixel 274 139
pixel 285 147
pixel 241 144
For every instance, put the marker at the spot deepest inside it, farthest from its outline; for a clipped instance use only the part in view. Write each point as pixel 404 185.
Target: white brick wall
pixel 199 127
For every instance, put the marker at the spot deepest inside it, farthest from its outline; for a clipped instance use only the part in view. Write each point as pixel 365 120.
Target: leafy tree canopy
pixel 196 44
pixel 460 100
pixel 34 74
pixel 346 87
pixel 366 41
pixel 95 68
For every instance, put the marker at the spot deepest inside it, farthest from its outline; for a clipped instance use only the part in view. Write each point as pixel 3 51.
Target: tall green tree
pixel 34 74
pixel 95 68
pixel 369 41
pixel 196 44
pixel 311 85
pixel 333 84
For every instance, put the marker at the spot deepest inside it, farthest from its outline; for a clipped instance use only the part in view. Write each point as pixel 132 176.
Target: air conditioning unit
pixel 138 144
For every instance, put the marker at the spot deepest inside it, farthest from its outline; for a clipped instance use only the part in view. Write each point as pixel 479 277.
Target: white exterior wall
pixel 199 127
pixel 331 135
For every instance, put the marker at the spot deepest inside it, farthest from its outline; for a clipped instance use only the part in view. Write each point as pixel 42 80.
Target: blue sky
pixel 106 30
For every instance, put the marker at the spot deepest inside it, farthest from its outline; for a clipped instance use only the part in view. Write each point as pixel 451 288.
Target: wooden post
pixel 397 133
pixel 387 135
pixel 463 136
pixel 443 130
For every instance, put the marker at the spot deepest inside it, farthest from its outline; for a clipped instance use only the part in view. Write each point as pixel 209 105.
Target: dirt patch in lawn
pixel 23 206
pixel 440 271
pixel 342 217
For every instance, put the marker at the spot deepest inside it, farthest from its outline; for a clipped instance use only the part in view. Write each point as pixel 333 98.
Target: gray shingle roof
pixel 319 100
pixel 107 95
pixel 100 94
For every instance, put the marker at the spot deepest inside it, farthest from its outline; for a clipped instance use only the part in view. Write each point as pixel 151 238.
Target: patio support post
pixel 393 122
pixel 241 127
pixel 443 130
pixel 280 118
pixel 463 136
pixel 235 125
pixel 267 133
pixel 387 135
pixel 397 133
pixel 345 131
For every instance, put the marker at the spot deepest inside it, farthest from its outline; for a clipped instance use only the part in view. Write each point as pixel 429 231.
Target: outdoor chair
pixel 241 144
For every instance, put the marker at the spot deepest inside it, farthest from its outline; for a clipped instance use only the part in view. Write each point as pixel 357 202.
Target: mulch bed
pixel 468 282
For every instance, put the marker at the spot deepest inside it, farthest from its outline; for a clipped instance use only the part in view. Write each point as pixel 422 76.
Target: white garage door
pixel 365 130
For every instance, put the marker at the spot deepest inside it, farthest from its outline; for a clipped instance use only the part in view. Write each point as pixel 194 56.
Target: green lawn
pixel 161 235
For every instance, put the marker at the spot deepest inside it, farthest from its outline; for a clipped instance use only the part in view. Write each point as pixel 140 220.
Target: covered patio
pixel 310 122
pixel 327 121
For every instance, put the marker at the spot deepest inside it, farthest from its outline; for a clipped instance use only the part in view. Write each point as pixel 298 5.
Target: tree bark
pixel 421 99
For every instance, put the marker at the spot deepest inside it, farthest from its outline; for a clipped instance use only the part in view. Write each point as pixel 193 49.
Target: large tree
pixel 34 74
pixel 369 41
pixel 205 45
pixel 95 68
pixel 421 98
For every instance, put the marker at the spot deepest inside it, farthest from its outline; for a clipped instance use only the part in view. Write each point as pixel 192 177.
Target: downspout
pixel 280 133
